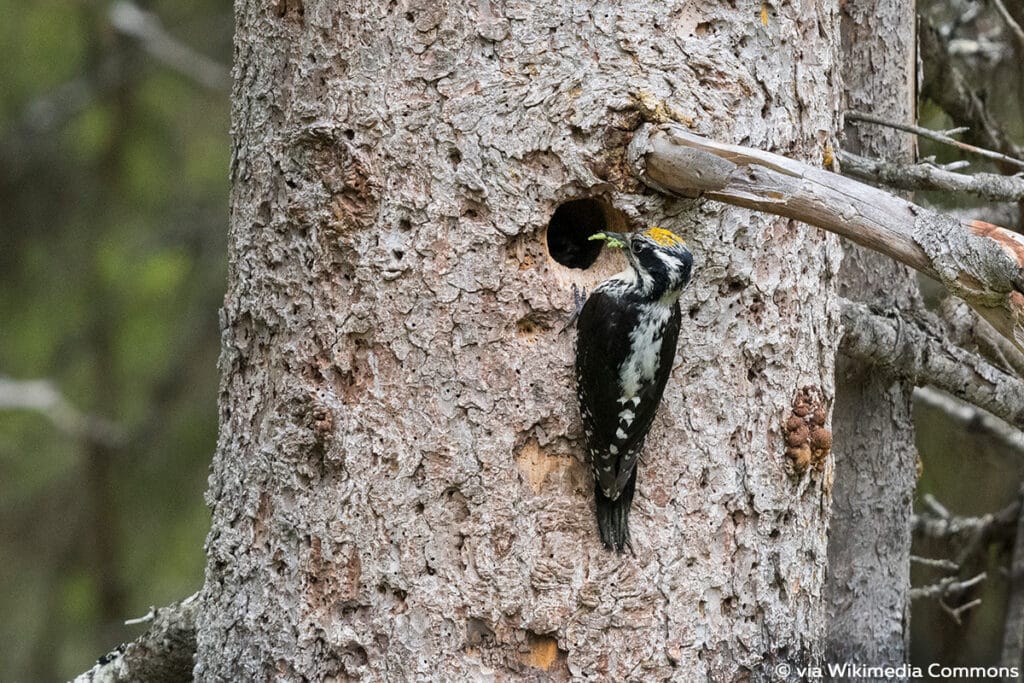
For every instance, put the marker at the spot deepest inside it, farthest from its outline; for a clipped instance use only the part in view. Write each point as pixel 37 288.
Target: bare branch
pixel 980 47
pixel 991 186
pixel 908 349
pixel 956 612
pixel 936 522
pixel 1013 631
pixel 144 26
pixel 1015 29
pixel 972 418
pixel 979 262
pixel 965 328
pixel 42 396
pixel 163 654
pixel 945 85
pixel 936 508
pixel 935 563
pixel 938 136
pixel 950 586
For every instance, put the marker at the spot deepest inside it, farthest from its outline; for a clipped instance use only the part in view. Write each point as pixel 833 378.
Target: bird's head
pixel 658 258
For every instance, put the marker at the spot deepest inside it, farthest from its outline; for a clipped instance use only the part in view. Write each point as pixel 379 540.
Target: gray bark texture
pixel 399 490
pixel 875 455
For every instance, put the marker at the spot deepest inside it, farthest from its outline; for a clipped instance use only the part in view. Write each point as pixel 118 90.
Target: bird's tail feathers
pixel 613 516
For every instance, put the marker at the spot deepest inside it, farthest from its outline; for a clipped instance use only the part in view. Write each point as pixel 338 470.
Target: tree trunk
pixel 399 489
pixel 869 537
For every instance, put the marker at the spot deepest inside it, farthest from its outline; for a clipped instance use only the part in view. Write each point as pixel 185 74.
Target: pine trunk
pixel 399 490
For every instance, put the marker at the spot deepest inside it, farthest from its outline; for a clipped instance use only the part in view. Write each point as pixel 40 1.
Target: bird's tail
pixel 613 516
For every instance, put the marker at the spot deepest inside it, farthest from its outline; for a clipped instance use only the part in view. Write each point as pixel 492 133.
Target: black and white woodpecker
pixel 625 345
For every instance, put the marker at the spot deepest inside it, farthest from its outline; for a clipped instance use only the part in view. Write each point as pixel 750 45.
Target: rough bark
pixel 869 537
pixel 399 490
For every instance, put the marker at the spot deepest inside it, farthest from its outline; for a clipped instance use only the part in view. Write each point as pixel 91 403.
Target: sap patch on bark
pixel 808 440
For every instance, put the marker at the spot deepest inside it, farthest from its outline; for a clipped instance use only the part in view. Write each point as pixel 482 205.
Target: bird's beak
pixel 612 239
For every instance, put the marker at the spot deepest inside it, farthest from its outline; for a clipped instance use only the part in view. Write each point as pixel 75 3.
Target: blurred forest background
pixel 114 153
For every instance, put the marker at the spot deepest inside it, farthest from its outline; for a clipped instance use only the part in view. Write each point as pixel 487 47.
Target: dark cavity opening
pixel 570 226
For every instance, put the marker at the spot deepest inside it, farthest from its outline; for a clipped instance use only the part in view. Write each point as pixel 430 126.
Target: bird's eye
pixel 636 246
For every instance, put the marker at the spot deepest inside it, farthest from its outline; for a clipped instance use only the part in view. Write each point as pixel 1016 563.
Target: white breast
pixel 641 364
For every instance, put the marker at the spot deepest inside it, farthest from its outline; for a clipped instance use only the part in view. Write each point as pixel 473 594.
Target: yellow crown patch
pixel 664 238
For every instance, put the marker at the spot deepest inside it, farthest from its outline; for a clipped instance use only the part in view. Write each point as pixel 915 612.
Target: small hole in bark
pixel 405 225
pixel 350 134
pixel 570 228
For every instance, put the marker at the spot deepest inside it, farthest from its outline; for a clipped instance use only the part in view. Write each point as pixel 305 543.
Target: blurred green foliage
pixel 113 217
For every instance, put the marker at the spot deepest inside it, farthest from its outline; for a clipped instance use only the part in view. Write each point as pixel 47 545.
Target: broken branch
pixel 164 653
pixel 979 262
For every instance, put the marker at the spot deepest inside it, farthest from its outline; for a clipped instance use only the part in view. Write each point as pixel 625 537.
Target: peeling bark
pixel 399 489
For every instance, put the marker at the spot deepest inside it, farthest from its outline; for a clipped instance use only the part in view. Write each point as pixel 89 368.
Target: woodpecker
pixel 625 344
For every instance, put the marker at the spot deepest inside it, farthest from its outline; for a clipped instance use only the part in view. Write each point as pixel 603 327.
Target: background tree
pixel 869 539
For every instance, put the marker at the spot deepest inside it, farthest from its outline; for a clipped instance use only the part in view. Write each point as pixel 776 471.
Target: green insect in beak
pixel 613 239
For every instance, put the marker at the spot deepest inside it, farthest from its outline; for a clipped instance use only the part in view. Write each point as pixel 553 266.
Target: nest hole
pixel 570 228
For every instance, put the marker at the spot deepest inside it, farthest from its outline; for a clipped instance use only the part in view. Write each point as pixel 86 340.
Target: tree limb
pixel 944 137
pixel 163 654
pixel 937 522
pixel 43 397
pixel 950 587
pixel 129 19
pixel 972 418
pixel 910 350
pixel 991 186
pixel 1015 29
pixel 979 262
pixel 966 329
